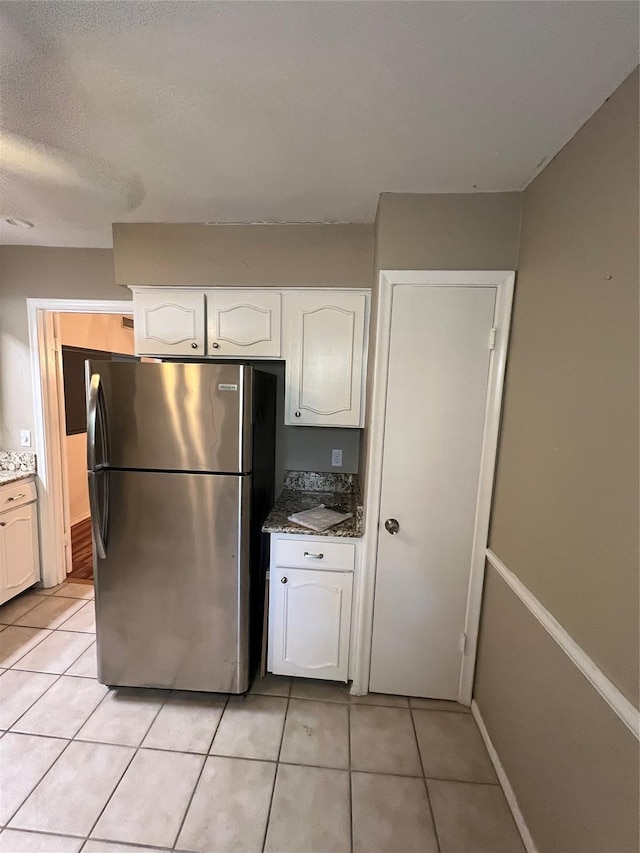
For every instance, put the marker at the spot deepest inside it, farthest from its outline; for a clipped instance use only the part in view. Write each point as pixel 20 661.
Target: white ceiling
pixel 286 111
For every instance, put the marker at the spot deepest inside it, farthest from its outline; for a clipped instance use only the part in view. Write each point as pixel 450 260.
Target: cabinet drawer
pixel 17 494
pixel 303 553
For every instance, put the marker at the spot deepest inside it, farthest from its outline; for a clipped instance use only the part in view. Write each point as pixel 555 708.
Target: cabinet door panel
pixel 19 562
pixel 169 322
pixel 310 623
pixel 244 323
pixel 325 362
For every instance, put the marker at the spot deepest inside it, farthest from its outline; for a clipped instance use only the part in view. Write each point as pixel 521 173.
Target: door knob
pixel 391 526
pixel 283 580
pixel 194 345
pixel 215 345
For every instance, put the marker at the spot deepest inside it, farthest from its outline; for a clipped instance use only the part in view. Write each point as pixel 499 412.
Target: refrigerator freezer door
pixel 172 594
pixel 176 417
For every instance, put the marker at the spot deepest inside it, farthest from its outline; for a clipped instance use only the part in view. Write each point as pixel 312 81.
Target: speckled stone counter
pixel 13 476
pixel 307 489
pixel 16 465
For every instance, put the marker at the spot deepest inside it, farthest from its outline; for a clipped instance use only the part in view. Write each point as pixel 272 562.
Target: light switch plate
pixel 336 458
pixel 25 438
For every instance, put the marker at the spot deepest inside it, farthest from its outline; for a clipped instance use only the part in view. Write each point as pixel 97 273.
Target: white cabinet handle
pixel 313 556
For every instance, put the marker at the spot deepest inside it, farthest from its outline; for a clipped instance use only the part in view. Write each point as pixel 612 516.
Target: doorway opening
pixel 108 337
pixel 62 332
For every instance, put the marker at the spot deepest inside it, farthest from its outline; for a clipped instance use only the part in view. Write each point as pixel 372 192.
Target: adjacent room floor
pixel 295 765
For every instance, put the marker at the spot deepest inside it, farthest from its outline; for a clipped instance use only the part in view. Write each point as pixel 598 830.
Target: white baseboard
pixel 509 793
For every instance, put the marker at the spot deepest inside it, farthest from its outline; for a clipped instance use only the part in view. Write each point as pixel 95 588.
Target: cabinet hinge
pixel 56 344
pixel 492 338
pixel 463 643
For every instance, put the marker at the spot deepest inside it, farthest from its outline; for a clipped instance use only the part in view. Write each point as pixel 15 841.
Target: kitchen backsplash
pixel 17 460
pixel 314 481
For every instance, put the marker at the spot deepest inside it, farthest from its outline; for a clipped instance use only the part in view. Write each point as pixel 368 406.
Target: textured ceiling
pixel 286 111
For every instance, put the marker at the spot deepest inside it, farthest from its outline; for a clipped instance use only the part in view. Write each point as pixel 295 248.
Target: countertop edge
pixel 8 477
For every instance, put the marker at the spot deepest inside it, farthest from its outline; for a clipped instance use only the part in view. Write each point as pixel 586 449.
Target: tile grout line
pixel 204 763
pixel 69 740
pixel 39 782
pixel 275 775
pixel 50 631
pixel 350 777
pixel 424 779
pixel 18 718
pixel 129 763
pixel 16 662
pixel 42 596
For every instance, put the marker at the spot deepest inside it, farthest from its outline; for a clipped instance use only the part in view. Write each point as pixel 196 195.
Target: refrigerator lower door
pixel 172 593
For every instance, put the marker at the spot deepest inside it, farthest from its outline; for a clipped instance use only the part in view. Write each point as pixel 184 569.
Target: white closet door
pixel 437 388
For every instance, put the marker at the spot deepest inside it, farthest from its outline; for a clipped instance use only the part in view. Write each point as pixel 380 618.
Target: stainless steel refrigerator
pixel 181 473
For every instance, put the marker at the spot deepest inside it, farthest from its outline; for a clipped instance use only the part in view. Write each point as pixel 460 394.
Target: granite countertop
pixel 16 465
pixel 303 490
pixel 7 477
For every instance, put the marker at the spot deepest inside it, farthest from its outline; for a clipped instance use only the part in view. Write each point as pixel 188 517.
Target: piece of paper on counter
pixel 319 518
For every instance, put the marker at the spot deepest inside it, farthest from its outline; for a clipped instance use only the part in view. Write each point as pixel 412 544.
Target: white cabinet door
pixel 325 358
pixel 243 323
pixel 310 620
pixel 169 322
pixel 19 559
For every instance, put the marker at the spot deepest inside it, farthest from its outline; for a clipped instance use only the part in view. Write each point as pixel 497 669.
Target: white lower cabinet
pixel 19 552
pixel 310 610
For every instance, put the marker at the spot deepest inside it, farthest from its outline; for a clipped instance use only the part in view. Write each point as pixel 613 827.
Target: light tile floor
pixel 296 766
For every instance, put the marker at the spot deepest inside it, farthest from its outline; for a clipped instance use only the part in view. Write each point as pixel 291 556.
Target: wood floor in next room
pixel 295 766
pixel 81 552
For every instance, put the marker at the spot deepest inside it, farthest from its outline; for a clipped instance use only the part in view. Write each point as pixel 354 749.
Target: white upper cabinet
pixel 243 323
pixel 325 339
pixel 169 322
pixel 321 333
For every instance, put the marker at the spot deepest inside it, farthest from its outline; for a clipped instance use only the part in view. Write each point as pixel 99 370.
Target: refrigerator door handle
pixel 94 414
pixel 96 515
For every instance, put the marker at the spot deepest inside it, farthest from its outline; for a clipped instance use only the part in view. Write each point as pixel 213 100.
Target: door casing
pixel 503 280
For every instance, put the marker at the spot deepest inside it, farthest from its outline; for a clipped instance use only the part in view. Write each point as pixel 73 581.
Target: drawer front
pixel 17 494
pixel 306 554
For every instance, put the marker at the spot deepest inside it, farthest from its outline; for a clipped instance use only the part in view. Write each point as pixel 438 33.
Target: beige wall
pixel 88 331
pixel 475 231
pixel 572 763
pixel 565 514
pixel 243 255
pixel 29 271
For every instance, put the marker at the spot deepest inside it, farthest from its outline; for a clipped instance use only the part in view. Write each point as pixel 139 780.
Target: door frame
pixel 503 281
pixel 48 433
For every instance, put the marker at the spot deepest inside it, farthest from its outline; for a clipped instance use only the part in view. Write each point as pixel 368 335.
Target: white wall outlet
pixel 336 458
pixel 25 438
